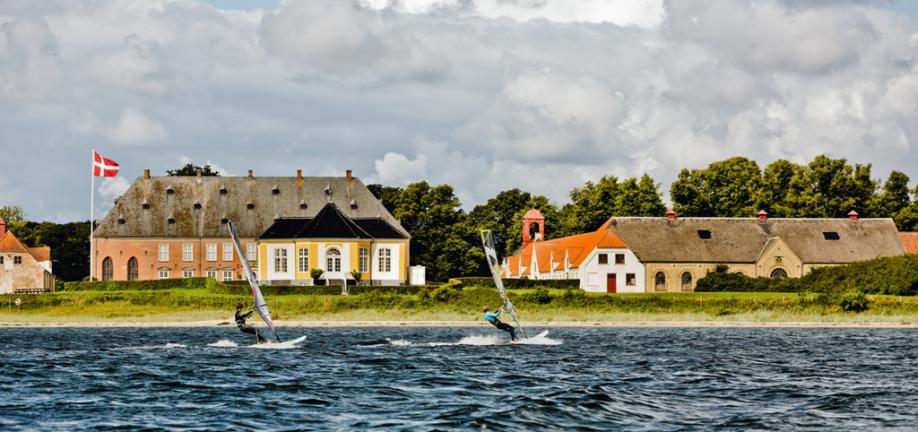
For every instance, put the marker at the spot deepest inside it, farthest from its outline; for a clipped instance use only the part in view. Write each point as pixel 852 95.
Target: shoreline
pixel 434 324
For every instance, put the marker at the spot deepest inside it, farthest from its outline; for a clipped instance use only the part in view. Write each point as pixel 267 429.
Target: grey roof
pixel 741 240
pixel 252 204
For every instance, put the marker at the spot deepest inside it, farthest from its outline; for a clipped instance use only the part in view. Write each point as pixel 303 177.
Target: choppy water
pixel 447 379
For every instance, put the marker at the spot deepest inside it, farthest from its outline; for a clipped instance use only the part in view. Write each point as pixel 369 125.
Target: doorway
pixel 611 283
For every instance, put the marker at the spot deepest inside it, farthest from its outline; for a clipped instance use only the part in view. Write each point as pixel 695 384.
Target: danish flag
pixel 103 167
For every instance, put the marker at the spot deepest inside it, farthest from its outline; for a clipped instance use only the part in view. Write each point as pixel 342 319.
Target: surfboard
pixel 538 336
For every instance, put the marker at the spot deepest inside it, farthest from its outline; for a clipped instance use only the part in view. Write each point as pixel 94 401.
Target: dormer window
pixel 197 205
pixel 250 205
pixel 830 235
pixel 121 220
pixel 171 220
pixel 328 190
pixel 145 205
pixel 224 220
pixel 353 204
pixel 303 205
pixel 275 190
pixel 223 190
pixel 704 234
pixel 169 190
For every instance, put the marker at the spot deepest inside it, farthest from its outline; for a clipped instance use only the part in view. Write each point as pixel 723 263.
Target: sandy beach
pixel 544 324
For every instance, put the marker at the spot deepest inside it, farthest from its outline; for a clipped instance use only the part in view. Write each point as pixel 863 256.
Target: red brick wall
pixel 147 253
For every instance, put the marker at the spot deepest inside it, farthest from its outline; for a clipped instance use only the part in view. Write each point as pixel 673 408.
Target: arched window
pixel 333 260
pixel 132 269
pixel 779 273
pixel 660 281
pixel 686 281
pixel 107 269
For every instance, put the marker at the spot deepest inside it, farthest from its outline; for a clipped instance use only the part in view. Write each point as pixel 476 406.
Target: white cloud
pixel 644 13
pixel 135 128
pixel 397 169
pixel 108 189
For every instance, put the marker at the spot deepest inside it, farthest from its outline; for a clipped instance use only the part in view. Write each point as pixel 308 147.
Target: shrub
pixel 854 301
pixel 159 284
pixel 446 294
pixel 521 283
pixel 539 296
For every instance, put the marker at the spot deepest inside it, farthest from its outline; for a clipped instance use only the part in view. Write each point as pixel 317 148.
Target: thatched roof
pixel 197 207
pixel 740 240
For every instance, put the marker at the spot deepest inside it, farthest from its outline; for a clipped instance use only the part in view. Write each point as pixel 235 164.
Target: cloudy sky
pixel 484 95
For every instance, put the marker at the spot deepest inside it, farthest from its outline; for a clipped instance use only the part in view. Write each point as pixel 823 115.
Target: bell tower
pixel 531 217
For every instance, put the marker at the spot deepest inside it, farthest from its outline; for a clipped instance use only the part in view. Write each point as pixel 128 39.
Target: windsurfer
pixel 493 318
pixel 245 328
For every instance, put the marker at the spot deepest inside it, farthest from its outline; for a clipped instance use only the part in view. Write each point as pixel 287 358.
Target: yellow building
pixel 336 244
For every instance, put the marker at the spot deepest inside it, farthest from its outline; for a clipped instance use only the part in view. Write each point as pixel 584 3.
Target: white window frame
pixel 251 252
pixel 227 251
pixel 164 273
pixel 280 260
pixel 363 259
pixel 302 259
pixel 385 260
pixel 187 273
pixel 187 252
pixel 227 275
pixel 163 252
pixel 212 273
pixel 211 251
pixel 333 262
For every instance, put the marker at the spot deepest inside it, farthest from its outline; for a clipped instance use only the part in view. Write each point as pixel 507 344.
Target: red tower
pixel 533 216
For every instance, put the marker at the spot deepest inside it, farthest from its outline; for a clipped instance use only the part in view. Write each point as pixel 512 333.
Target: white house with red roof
pixel 600 260
pixel 23 269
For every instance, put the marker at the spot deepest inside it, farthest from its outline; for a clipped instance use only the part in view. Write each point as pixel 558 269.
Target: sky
pixel 484 95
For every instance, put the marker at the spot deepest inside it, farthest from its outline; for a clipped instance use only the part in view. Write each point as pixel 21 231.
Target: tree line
pixel 445 238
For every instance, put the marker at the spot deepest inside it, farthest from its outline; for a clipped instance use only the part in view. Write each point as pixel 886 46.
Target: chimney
pixel 763 215
pixel 350 180
pixel 2 227
pixel 146 174
pixel 349 175
pixel 852 215
pixel 251 175
pixel 671 215
pixel 299 178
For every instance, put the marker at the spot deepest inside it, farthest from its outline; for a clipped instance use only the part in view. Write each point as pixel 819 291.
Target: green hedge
pixel 893 275
pixel 522 283
pixel 159 284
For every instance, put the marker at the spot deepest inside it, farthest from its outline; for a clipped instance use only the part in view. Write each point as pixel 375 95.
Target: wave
pixel 224 343
pixel 478 340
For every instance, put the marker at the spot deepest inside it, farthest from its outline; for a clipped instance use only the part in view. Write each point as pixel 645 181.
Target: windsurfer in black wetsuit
pixel 245 328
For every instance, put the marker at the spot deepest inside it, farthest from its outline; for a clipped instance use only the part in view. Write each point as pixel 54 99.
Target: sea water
pixel 460 378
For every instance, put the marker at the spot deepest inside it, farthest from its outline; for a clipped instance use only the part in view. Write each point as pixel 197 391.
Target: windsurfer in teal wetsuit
pixel 493 318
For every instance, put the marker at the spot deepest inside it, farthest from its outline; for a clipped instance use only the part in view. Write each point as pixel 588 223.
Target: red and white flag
pixel 103 167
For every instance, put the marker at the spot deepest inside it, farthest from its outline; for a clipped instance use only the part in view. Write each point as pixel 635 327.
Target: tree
pixel 441 238
pixel 776 180
pixel 12 214
pixel 893 198
pixel 503 214
pixel 725 188
pixel 385 194
pixel 191 169
pixel 830 188
pixel 639 198
pixel 907 218
pixel 591 205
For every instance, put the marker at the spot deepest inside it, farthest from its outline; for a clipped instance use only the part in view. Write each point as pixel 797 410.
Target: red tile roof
pixel 576 247
pixel 42 253
pixel 9 243
pixel 911 241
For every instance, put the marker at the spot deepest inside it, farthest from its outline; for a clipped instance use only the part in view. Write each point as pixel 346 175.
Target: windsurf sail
pixel 260 305
pixel 494 265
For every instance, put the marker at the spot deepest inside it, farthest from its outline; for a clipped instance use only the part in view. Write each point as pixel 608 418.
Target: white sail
pixel 260 305
pixel 494 266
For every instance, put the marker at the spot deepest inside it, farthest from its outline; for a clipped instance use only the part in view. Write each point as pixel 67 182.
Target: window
pixel 630 280
pixel 187 252
pixel 659 281
pixel 619 258
pixel 251 252
pixel 1 260
pixel 164 252
pixel 704 234
pixel 364 260
pixel 779 273
pixel 303 260
pixel 333 260
pixel 603 258
pixel 211 251
pixel 107 269
pixel 187 273
pixel 212 273
pixel 686 281
pixel 164 273
pixel 227 251
pixel 17 260
pixel 385 260
pixel 227 275
pixel 830 235
pixel 280 260
pixel 133 269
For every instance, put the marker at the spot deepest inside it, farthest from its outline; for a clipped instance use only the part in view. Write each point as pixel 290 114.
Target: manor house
pixel 176 227
pixel 23 269
pixel 644 254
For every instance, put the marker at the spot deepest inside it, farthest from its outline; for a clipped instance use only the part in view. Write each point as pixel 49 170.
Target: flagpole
pixel 92 210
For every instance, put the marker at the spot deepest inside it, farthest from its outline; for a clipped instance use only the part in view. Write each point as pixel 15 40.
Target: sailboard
pixel 491 253
pixel 260 305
